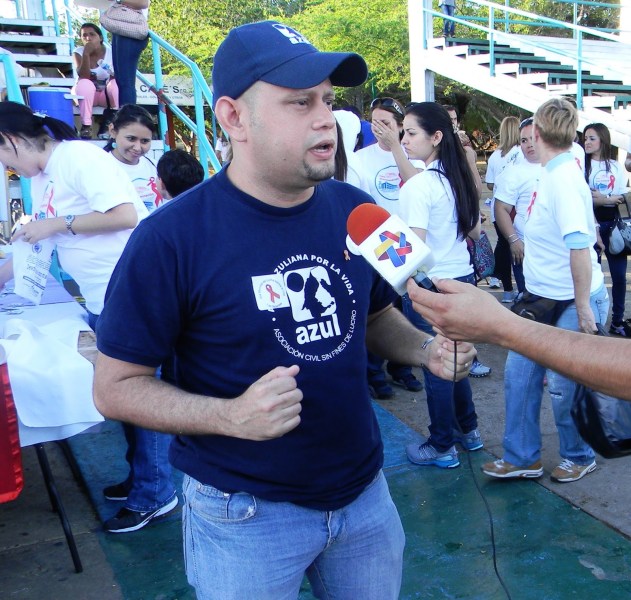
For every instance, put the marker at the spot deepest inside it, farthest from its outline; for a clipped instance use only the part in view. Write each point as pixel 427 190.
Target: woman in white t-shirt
pixel 131 132
pixel 441 206
pixel 506 154
pixel 147 491
pixel 380 170
pixel 513 193
pixel 89 222
pixel 95 84
pixel 607 181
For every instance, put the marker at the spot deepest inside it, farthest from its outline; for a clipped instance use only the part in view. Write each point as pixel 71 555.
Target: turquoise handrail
pixel 15 94
pixel 201 94
pixel 508 21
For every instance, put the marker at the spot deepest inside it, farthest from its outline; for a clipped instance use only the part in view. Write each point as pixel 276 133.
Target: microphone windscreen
pixel 364 220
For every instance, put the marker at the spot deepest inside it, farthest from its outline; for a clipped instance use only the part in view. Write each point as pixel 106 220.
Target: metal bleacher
pixel 586 65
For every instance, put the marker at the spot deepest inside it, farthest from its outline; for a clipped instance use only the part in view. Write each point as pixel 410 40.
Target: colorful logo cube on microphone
pixel 394 247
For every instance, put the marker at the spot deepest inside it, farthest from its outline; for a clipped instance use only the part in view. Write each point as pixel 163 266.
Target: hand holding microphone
pixel 390 246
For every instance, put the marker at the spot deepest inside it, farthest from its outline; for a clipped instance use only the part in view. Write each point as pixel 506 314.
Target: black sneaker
pixel 127 520
pixel 380 390
pixel 623 329
pixel 104 131
pixel 86 132
pixel 117 492
pixel 407 381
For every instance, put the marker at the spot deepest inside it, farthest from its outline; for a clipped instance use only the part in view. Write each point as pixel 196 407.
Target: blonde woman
pixel 507 153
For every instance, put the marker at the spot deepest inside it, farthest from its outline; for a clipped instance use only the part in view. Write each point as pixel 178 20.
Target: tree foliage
pixel 376 29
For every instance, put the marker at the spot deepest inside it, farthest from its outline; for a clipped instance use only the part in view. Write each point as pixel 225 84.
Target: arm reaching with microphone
pixel 391 335
pixel 462 312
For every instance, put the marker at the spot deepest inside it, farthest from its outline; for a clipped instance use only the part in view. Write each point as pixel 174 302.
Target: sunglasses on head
pixel 386 103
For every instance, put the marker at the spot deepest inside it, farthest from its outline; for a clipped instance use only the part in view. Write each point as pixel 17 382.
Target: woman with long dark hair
pixel 81 201
pixel 606 180
pixel 441 206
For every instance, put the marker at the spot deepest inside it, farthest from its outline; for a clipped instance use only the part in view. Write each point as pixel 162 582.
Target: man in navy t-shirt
pixel 245 288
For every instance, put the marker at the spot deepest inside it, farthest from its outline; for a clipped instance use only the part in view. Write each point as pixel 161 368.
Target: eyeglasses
pixel 387 103
pixel 526 122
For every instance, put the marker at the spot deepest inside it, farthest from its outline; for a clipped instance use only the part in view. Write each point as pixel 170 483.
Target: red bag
pixel 11 476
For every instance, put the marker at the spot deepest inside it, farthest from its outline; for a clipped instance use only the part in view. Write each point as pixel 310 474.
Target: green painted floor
pixel 546 548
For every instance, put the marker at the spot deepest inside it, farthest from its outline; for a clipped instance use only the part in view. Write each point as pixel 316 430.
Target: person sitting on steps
pixel 95 85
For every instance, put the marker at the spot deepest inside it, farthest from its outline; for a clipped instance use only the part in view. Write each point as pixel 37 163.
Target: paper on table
pixel 64 330
pixel 31 263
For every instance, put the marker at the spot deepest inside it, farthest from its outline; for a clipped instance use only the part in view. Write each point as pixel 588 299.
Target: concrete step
pixel 64 64
pixel 35 44
pixel 27 26
pixel 46 80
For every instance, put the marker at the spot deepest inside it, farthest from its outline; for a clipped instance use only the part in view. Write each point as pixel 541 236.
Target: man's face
pixel 454 119
pixel 291 135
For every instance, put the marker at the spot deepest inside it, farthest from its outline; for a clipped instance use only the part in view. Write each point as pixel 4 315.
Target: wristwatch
pixel 69 221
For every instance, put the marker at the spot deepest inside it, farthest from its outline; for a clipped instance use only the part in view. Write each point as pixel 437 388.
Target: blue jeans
pixel 149 479
pixel 125 55
pixel 520 281
pixel 618 270
pixel 450 405
pixel 523 388
pixel 449 27
pixel 241 546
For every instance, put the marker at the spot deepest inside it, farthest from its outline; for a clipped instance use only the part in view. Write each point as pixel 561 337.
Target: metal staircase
pixel 525 70
pixel 42 57
pixel 37 55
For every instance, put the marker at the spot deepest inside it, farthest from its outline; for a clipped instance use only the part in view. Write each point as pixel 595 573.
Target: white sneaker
pixel 494 283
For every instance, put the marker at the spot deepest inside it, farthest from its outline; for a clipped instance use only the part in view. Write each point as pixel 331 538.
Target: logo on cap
pixel 291 34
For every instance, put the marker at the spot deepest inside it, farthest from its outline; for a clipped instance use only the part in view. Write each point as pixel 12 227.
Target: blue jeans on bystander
pixel 618 270
pixel 450 405
pixel 125 55
pixel 523 389
pixel 149 479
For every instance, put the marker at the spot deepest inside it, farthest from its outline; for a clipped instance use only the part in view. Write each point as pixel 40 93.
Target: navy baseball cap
pixel 275 53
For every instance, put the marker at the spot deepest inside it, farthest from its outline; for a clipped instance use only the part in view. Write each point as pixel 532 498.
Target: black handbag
pixel 620 237
pixel 540 309
pixel 603 421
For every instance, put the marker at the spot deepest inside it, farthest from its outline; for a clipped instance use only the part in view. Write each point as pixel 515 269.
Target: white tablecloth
pixel 52 403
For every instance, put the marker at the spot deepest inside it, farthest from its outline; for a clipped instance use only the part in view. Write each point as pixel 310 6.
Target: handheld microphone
pixel 390 246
